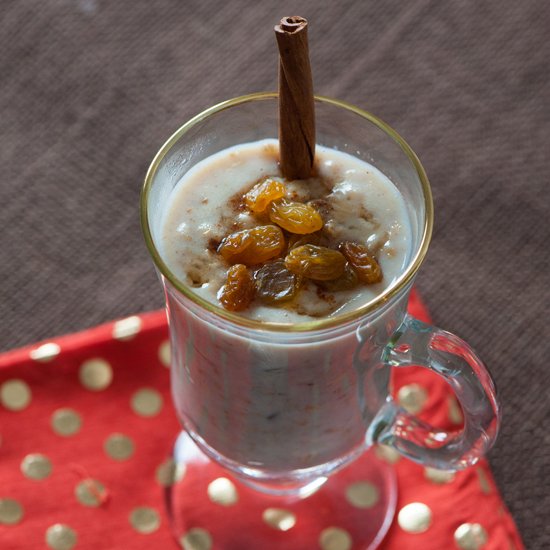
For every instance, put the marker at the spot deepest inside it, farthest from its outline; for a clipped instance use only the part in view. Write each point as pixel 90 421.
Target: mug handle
pixel 416 343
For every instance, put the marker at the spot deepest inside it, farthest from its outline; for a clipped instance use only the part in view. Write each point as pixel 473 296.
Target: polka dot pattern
pixel 484 483
pixel 386 453
pixel 279 518
pixel 164 353
pixel 15 395
pixel 223 491
pixel 146 402
pixel 113 407
pixel 119 447
pixel 144 520
pixel 90 492
pixel 196 539
pixel 335 538
pixel 362 494
pixel 415 517
pixel 470 536
pixel 36 466
pixel 11 511
pixel 60 537
pixel 439 477
pixel 96 374
pixel 66 422
pixel 454 411
pixel 412 397
pixel 126 329
pixel 45 353
pixel 169 472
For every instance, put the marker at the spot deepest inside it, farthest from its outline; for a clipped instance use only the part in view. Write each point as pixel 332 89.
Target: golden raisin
pixel 346 281
pixel 295 217
pixel 275 283
pixel 295 241
pixel 316 262
pixel 253 246
pixel 238 291
pixel 259 197
pixel 363 263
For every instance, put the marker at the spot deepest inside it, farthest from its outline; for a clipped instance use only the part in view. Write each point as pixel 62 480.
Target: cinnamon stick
pixel 296 104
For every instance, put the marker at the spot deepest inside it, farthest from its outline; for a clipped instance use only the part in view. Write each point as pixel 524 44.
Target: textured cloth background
pixel 91 88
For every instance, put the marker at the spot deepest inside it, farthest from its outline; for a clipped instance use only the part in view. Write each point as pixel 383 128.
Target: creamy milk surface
pixel 357 201
pixel 276 404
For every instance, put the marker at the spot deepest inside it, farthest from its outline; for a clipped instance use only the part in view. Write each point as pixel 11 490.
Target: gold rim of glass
pixel 316 324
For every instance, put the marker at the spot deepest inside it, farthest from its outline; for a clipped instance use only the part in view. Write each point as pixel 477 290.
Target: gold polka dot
pixel 90 492
pixel 455 411
pixel 169 472
pixel 222 491
pixel 45 352
pixel 164 353
pixel 386 453
pixel 278 518
pixel 165 472
pixel 11 512
pixel 119 447
pixel 334 538
pixel 196 539
pixel 438 477
pixel 60 537
pixel 415 517
pixel 15 394
pixel 470 536
pixel 66 422
pixel 126 329
pixel 362 494
pixel 181 470
pixel 36 466
pixel 95 374
pixel 144 520
pixel 412 398
pixel 146 402
pixel 483 481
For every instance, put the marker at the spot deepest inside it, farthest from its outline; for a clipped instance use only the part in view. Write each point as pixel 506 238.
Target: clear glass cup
pixel 283 406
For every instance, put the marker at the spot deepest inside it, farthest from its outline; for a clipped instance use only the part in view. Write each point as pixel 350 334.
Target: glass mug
pixel 285 405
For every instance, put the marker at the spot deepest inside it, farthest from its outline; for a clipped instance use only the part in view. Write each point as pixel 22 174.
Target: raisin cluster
pixel 272 261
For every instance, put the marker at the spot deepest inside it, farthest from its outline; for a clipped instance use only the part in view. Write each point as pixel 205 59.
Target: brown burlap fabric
pixel 91 88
